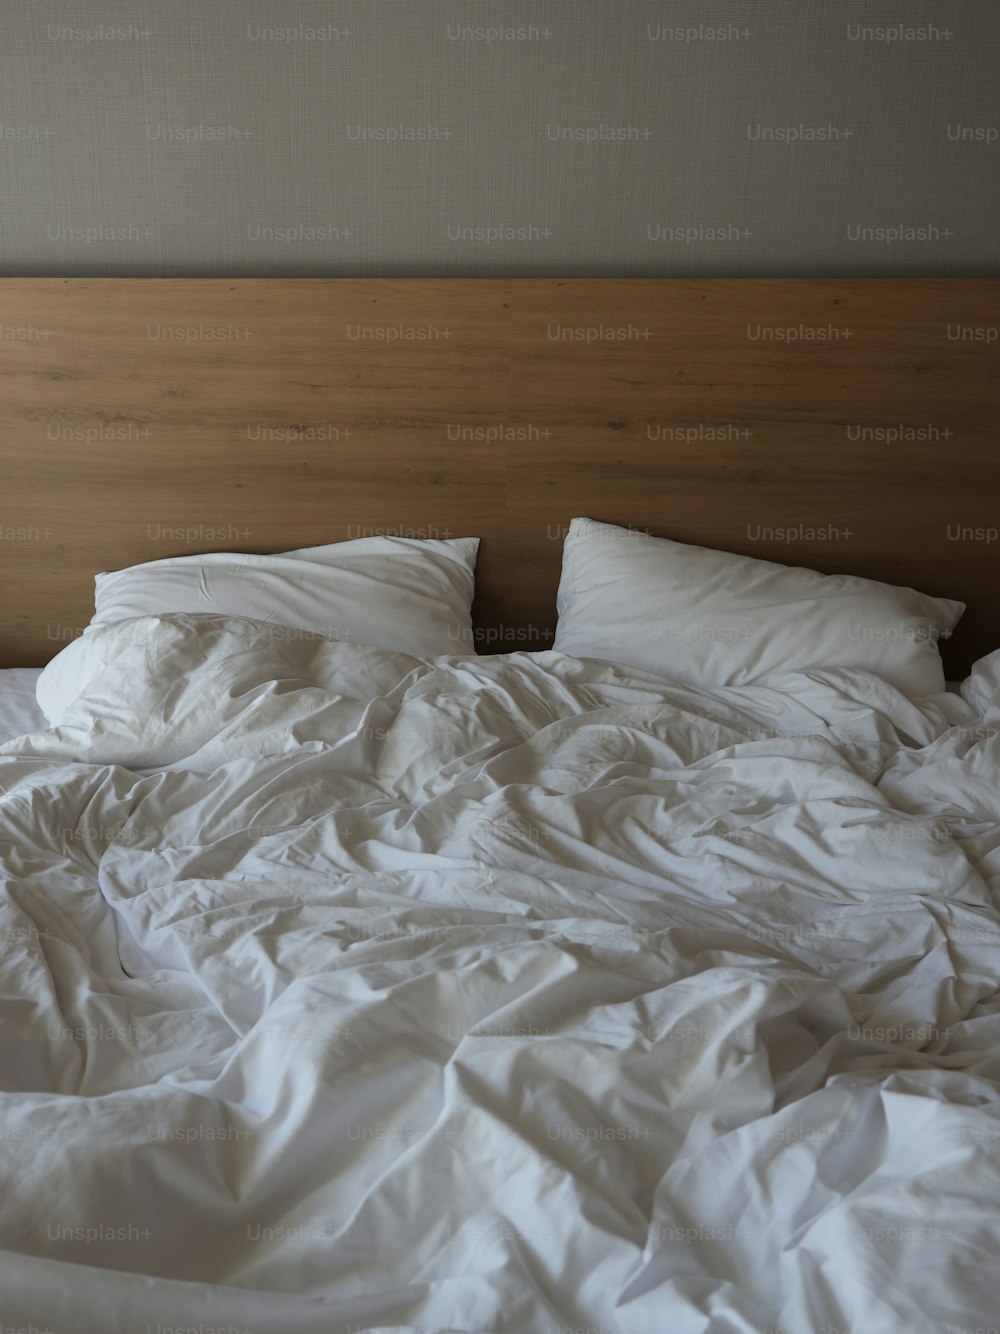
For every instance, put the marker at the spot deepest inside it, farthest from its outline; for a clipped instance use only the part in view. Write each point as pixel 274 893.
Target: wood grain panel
pixel 144 418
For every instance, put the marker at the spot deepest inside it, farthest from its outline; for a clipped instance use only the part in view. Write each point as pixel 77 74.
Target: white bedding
pixel 19 711
pixel 343 991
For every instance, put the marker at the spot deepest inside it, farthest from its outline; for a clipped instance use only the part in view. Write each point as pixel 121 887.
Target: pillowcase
pixel 711 618
pixel 399 593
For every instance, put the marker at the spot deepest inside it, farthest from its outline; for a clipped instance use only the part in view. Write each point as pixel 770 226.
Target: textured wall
pixel 414 137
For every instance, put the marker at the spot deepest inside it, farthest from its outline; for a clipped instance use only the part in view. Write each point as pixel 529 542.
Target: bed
pixel 351 988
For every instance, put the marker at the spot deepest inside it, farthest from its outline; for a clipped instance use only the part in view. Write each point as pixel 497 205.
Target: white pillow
pixel 399 593
pixel 710 618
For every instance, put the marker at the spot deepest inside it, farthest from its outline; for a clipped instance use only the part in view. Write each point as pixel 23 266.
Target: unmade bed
pixel 641 975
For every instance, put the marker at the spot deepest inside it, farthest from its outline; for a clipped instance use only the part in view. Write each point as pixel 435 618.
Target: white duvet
pixel 343 991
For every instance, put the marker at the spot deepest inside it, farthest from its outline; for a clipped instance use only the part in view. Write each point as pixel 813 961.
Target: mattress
pixel 19 711
pixel 348 991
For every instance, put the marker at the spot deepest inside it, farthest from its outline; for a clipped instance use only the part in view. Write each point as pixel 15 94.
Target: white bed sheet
pixel 19 711
pixel 344 992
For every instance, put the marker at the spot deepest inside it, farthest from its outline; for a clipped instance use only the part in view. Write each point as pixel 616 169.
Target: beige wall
pixel 202 137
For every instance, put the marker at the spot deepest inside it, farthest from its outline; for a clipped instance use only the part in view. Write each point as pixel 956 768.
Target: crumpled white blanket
pixel 347 991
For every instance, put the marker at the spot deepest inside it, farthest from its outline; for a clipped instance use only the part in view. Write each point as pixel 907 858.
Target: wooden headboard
pixel 845 425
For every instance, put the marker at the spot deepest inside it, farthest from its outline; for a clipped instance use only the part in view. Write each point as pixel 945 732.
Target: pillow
pixel 398 593
pixel 710 618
